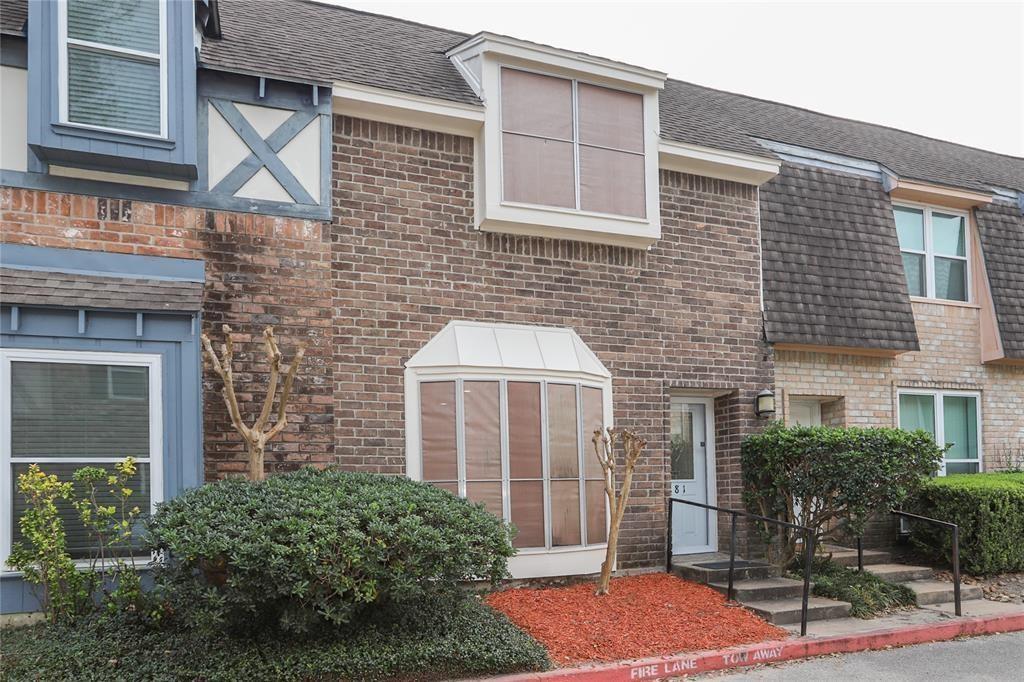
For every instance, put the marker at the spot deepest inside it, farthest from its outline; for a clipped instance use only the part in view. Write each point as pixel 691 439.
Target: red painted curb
pixel 769 652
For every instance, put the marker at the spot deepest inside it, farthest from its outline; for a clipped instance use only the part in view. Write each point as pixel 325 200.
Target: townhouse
pixel 490 246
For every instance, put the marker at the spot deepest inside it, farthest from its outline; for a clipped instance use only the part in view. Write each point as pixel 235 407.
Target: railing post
pixel 808 558
pixel 956 569
pixel 860 553
pixel 732 555
pixel 668 547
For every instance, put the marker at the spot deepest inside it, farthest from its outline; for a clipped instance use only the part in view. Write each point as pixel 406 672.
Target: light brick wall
pixel 950 358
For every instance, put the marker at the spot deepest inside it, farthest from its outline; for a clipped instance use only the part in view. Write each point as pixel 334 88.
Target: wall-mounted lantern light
pixel 764 404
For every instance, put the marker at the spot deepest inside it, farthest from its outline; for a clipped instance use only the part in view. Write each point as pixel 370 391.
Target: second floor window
pixel 933 243
pixel 572 145
pixel 113 70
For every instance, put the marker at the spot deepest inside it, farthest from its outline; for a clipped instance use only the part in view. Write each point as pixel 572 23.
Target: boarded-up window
pixel 572 145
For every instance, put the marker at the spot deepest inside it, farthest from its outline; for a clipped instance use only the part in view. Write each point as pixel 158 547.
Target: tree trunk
pixel 256 458
pixel 604 582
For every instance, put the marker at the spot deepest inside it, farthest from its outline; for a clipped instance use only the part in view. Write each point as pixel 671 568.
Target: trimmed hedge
pixel 312 548
pixel 989 508
pixel 433 642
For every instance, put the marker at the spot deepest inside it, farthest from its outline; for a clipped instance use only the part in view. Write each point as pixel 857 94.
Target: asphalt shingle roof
pixel 76 290
pixel 832 269
pixel 13 15
pixel 1001 228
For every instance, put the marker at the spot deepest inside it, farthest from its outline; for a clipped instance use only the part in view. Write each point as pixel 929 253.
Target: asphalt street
pixel 978 659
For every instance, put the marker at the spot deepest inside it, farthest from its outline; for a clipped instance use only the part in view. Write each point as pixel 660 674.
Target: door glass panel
pixel 437 421
pixel 682 445
pixel 565 513
pixel 948 235
pixel 563 446
pixel 910 228
pixel 917 412
pixel 527 500
pixel 483 430
pixel 79 410
pixel 950 279
pixel 524 430
pixel 960 422
pixel 913 267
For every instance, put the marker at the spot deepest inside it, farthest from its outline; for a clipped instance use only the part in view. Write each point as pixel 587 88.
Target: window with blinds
pixel 523 450
pixel 113 60
pixel 65 415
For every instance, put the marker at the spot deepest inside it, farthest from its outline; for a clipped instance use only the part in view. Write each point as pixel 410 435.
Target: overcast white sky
pixel 949 70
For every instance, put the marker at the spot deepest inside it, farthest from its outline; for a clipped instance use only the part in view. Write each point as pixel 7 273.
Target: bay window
pixel 64 410
pixel 953 418
pixel 934 247
pixel 113 69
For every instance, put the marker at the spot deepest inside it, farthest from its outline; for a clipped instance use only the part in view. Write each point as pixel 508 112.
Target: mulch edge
pixel 774 651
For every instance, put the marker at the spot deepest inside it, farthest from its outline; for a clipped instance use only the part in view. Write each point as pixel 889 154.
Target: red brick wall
pixel 260 270
pixel 684 315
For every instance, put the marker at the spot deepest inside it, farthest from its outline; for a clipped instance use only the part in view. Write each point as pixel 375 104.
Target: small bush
pixel 833 474
pixel 431 641
pixel 868 595
pixel 300 549
pixel 989 508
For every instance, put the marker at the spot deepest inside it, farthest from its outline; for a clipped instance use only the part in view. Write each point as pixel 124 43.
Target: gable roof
pixel 1001 228
pixel 832 269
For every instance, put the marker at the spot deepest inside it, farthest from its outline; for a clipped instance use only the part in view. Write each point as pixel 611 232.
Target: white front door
pixel 691 452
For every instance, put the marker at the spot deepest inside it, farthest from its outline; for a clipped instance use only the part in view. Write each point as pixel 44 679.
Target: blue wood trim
pixel 89 262
pixel 138 324
pixel 261 149
pixel 81 321
pixel 282 135
pixel 326 149
pixel 15 312
pixel 159 195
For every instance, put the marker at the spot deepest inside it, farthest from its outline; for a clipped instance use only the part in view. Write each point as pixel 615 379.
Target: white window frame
pixel 937 396
pixel 63 41
pixel 155 459
pixel 534 561
pixel 575 141
pixel 929 250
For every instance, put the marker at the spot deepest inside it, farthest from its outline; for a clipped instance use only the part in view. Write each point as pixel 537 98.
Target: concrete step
pixel 845 556
pixel 718 571
pixel 940 591
pixel 762 589
pixel 785 611
pixel 900 573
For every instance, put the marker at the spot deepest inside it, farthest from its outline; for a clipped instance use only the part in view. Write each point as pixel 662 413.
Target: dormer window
pixel 112 65
pixel 571 144
pixel 934 246
pixel 569 147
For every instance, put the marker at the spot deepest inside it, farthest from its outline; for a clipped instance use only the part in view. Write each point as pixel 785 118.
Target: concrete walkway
pixel 994 658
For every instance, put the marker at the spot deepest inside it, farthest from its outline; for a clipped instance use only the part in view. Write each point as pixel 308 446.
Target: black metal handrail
pixel 808 549
pixel 956 550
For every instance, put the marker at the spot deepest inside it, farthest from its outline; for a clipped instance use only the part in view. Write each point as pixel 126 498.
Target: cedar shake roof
pixel 832 269
pixel 1001 228
pixel 76 290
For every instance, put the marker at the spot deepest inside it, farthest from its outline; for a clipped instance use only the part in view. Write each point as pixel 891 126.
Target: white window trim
pixel 528 562
pixel 63 41
pixel 494 214
pixel 940 426
pixel 155 460
pixel 930 255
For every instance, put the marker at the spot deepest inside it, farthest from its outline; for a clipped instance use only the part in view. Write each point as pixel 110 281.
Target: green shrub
pixel 299 549
pixel 868 595
pixel 988 508
pixel 426 641
pixel 833 474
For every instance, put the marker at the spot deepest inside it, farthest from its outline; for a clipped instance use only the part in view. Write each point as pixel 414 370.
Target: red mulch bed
pixel 644 615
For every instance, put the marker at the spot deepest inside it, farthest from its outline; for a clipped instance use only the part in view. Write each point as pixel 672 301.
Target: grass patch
pixel 436 642
pixel 868 595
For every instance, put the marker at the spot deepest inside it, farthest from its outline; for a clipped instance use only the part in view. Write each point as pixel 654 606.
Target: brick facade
pixel 259 270
pixel 684 315
pixel 950 358
pixel 402 258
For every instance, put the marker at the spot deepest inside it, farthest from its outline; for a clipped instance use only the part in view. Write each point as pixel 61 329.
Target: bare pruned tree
pixel 257 435
pixel 632 447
